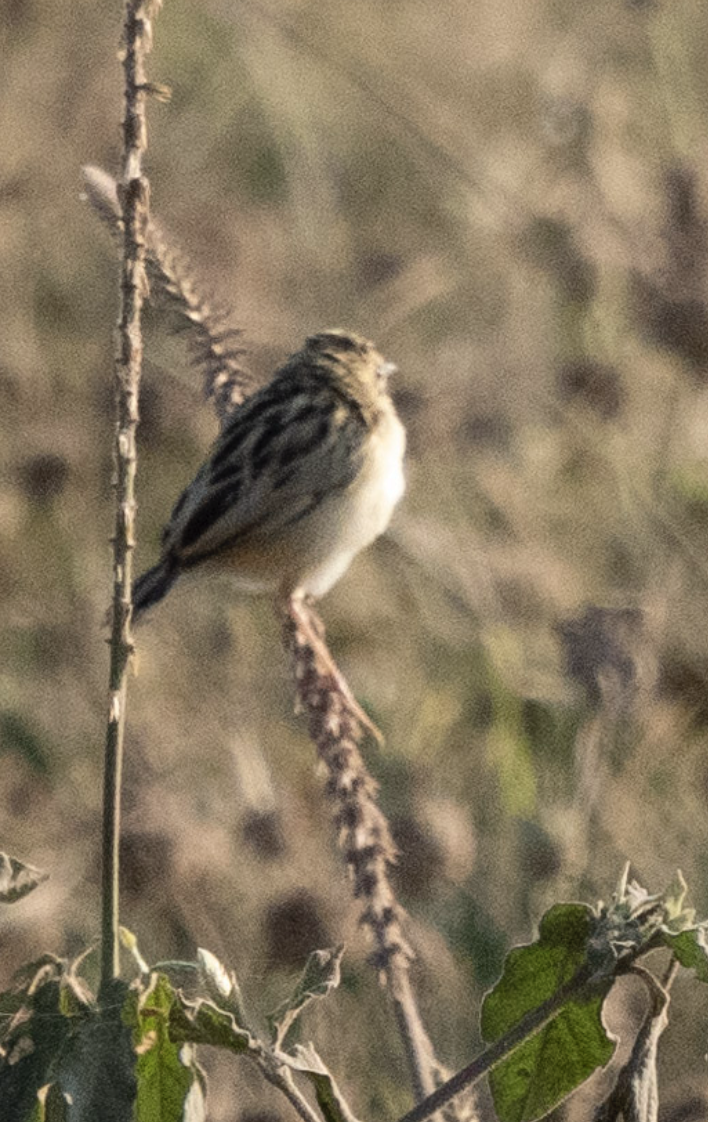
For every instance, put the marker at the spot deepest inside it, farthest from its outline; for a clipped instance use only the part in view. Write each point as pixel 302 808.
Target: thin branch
pixel 670 975
pixel 133 288
pixel 578 987
pixel 281 1078
pixel 364 834
pixel 658 990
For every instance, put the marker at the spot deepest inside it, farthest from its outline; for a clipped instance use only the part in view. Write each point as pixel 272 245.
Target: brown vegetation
pixel 510 198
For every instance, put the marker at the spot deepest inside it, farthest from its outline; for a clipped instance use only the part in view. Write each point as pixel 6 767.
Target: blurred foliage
pixel 511 200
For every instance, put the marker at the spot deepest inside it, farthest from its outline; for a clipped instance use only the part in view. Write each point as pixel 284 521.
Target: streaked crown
pixel 358 367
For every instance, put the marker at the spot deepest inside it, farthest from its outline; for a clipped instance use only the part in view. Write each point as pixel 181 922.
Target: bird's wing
pixel 281 455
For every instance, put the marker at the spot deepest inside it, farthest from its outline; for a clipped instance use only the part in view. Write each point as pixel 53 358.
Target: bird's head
pixel 353 363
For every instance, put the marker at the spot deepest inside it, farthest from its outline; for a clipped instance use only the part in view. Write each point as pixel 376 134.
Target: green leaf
pixel 330 1100
pixel 28 980
pixel 678 917
pixel 56 1044
pixel 638 920
pixel 222 985
pixel 129 941
pixel 51 1105
pixel 55 1105
pixel 97 1066
pixel 534 972
pixel 215 975
pixel 37 1115
pixel 17 879
pixel 195 1102
pixel 164 1082
pixel 32 1043
pixel 320 976
pixel 570 1046
pixel 182 975
pixel 202 1022
pixel 691 949
pixel 74 995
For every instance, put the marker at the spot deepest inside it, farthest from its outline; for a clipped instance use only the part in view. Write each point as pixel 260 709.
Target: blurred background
pixel 511 198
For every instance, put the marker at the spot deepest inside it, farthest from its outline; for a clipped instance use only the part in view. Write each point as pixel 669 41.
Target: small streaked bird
pixel 305 474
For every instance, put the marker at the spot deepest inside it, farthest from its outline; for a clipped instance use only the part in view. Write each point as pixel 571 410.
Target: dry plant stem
pixel 133 288
pixel 670 975
pixel 364 834
pixel 312 627
pixel 216 343
pixel 281 1078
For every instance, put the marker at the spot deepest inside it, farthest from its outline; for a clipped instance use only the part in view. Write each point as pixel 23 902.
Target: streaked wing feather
pixel 274 463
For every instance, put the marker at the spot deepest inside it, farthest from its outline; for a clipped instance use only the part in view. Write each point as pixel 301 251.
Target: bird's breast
pixel 368 503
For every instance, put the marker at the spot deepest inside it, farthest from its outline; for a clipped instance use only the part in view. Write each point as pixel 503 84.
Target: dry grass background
pixel 511 199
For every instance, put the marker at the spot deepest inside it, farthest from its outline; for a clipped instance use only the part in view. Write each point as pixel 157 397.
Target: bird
pixel 305 474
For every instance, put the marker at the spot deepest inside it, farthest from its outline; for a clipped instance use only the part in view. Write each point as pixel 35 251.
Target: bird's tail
pixel 152 585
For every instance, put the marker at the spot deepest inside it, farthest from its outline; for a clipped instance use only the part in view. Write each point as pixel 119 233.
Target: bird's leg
pixel 298 608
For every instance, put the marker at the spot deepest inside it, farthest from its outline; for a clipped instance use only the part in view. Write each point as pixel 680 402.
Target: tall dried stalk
pixel 364 834
pixel 334 717
pixel 134 197
pixel 215 342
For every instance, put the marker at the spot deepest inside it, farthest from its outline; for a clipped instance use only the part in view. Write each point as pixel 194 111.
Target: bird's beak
pixel 386 369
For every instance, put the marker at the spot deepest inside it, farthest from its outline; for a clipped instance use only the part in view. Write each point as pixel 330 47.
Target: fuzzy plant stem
pixel 364 834
pixel 134 195
pixel 215 343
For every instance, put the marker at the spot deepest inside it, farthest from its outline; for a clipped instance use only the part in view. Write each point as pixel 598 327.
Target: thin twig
pixel 658 990
pixel 281 1078
pixel 670 975
pixel 133 288
pixel 578 987
pixel 364 833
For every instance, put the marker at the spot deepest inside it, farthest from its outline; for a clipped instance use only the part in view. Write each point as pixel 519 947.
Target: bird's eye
pixel 385 369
